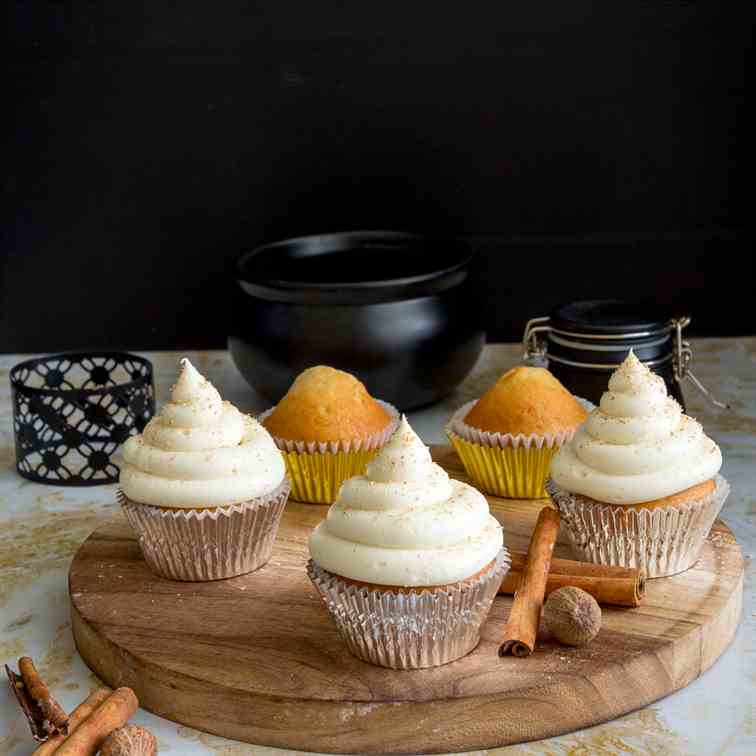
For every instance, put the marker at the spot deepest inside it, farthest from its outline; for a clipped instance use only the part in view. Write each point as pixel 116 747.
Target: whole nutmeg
pixel 572 616
pixel 130 740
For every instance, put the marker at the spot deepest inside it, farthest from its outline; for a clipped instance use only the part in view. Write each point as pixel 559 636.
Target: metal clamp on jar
pixel 584 342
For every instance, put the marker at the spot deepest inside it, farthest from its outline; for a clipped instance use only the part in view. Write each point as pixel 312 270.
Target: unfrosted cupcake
pixel 408 561
pixel 328 428
pixel 638 485
pixel 204 486
pixel 506 439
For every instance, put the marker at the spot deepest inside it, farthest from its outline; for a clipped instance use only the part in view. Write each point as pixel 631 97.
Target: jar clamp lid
pixel 594 334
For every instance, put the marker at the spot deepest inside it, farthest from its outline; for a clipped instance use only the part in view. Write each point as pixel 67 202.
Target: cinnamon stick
pixel 44 713
pixel 78 715
pixel 113 712
pixel 522 626
pixel 619 586
pixel 55 720
pixel 28 707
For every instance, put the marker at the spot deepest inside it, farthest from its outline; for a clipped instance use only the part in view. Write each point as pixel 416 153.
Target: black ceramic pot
pixel 394 309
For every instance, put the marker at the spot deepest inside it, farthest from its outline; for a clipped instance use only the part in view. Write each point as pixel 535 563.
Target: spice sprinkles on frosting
pixel 405 522
pixel 637 445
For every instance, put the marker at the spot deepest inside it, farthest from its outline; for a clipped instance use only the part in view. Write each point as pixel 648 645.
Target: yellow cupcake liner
pixel 316 477
pixel 503 464
pixel 317 469
pixel 510 472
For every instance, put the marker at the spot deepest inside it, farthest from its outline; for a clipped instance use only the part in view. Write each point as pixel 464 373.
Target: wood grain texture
pixel 257 658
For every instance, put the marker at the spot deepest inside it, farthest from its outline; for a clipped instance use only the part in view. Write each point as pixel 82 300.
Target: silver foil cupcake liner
pixel 375 441
pixel 660 542
pixel 207 544
pixel 410 629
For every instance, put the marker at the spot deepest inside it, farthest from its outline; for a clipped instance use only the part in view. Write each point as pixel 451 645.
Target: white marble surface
pixel 41 527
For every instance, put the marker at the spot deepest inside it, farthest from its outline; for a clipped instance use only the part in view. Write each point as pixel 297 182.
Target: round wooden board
pixel 257 658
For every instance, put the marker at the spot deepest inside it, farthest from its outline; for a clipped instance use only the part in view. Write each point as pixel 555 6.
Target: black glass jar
pixel 584 342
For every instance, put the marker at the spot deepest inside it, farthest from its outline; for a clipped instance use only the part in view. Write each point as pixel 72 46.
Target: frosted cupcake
pixel 638 485
pixel 408 561
pixel 507 438
pixel 204 486
pixel 328 427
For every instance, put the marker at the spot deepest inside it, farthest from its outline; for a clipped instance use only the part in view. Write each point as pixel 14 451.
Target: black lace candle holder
pixel 71 412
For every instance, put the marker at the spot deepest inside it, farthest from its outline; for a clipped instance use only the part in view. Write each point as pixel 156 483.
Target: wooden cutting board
pixel 257 658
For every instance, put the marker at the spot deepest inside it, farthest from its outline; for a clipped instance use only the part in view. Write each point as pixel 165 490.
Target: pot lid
pixel 355 267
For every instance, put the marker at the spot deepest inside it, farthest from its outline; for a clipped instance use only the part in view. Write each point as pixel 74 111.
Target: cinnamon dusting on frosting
pixel 405 522
pixel 637 445
pixel 199 451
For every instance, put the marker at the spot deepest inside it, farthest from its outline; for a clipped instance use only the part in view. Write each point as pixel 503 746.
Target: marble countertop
pixel 42 526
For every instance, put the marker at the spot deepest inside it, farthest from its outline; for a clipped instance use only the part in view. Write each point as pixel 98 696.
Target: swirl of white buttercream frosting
pixel 636 446
pixel 405 522
pixel 199 452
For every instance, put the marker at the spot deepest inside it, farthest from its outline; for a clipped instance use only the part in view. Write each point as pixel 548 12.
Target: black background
pixel 589 149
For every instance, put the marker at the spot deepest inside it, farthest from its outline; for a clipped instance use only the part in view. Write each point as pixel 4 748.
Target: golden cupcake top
pixel 527 400
pixel 325 404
